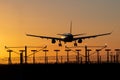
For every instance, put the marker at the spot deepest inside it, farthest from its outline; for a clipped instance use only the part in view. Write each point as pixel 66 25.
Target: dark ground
pixel 59 71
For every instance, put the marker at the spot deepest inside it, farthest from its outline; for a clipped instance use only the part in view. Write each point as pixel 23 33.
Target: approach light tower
pixel 21 56
pixel 56 55
pixel 34 51
pixel 45 55
pixel 78 53
pixel 108 52
pixel 9 59
pixel 98 55
pixel 68 50
pixel 88 55
pixel 25 54
pixel 117 55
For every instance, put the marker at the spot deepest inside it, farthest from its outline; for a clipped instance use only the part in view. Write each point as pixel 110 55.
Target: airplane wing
pixel 92 36
pixel 46 37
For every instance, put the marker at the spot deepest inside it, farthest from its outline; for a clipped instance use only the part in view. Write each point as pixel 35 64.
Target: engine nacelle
pixel 53 41
pixel 80 41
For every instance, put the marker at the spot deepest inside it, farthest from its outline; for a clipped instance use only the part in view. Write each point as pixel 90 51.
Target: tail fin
pixel 71 27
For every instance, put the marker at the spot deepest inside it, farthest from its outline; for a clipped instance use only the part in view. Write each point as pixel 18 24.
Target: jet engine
pixel 53 41
pixel 80 41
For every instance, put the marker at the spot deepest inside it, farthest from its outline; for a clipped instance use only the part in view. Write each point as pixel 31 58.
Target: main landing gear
pixel 60 45
pixel 75 44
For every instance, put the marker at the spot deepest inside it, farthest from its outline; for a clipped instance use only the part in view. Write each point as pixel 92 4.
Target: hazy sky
pixel 49 17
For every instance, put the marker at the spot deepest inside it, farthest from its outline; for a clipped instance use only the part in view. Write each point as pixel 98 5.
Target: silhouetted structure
pixel 21 56
pixel 117 55
pixel 25 54
pixel 84 57
pixel 78 55
pixel 9 58
pixel 34 51
pixel 56 55
pixel 68 50
pixel 88 55
pixel 108 50
pixel 46 59
pixel 98 55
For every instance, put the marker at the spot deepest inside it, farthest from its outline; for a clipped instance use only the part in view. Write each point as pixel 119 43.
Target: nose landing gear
pixel 60 44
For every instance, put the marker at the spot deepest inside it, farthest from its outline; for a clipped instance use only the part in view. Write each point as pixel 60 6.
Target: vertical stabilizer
pixel 71 27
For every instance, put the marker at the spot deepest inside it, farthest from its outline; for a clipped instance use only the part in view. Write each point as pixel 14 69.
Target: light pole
pixel 56 55
pixel 108 50
pixel 88 57
pixel 25 54
pixel 34 51
pixel 21 56
pixel 68 50
pixel 45 55
pixel 78 50
pixel 117 55
pixel 98 55
pixel 9 59
pixel 86 54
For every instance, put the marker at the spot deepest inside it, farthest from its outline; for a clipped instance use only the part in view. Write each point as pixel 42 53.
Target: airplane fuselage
pixel 68 37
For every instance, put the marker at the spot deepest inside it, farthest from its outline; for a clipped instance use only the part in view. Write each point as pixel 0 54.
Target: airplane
pixel 69 37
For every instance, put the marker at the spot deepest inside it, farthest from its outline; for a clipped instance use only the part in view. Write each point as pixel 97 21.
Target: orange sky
pixel 49 17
